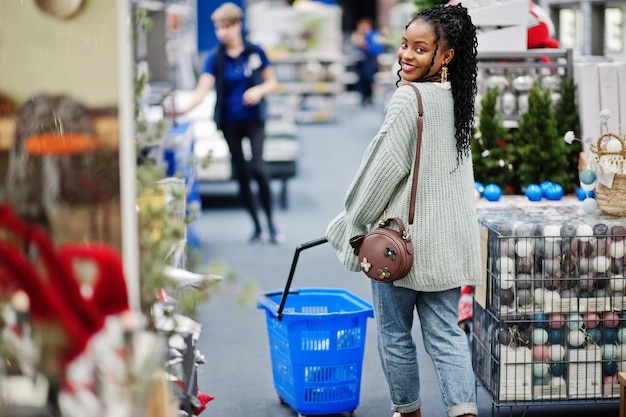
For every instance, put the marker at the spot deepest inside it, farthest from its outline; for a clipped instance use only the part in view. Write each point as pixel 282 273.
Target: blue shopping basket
pixel 317 340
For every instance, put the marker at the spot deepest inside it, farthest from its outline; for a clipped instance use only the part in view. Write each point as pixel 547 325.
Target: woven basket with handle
pixel 610 200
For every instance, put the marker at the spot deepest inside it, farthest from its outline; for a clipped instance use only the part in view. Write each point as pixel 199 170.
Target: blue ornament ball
pixel 493 192
pixel 609 335
pixel 480 187
pixel 587 177
pixel 544 187
pixel 554 192
pixel 609 368
pixel 533 192
pixel 556 336
pixel 581 194
pixel 557 368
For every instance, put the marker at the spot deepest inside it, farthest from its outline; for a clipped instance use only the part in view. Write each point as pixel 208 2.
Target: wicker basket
pixel 610 200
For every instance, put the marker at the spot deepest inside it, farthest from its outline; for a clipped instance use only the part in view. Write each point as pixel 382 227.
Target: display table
pixel 549 321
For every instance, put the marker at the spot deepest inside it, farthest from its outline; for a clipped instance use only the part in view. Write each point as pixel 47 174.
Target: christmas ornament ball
pixel 621 337
pixel 555 192
pixel 556 320
pixel 480 187
pixel 540 353
pixel 540 369
pixel 557 369
pixel 610 319
pixel 616 283
pixel 587 177
pixel 524 248
pixel 575 338
pixel 609 335
pixel 506 280
pixel 540 320
pixel 595 335
pixel 533 192
pixel 610 380
pixel 493 192
pixel 609 352
pixel 584 231
pixel 614 145
pixel 524 298
pixel 581 194
pixel 574 321
pixel 556 336
pixel 544 187
pixel 609 368
pixel 540 336
pixel 617 249
pixel 556 353
pixel 590 205
pixel 591 320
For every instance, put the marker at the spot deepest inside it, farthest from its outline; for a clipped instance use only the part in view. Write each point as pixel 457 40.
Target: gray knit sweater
pixel 445 233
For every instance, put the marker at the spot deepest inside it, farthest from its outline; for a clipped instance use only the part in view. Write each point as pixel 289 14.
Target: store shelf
pixel 550 67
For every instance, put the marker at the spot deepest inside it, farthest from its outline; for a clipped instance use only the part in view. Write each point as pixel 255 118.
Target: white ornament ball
pixel 540 336
pixel 614 145
pixel 524 248
pixel 588 187
pixel 576 338
pixel 552 232
pixel 538 295
pixel 617 283
pixel 574 321
pixel 616 249
pixel 540 369
pixel 609 352
pixel 584 231
pixel 590 205
pixel 556 353
pixel 550 299
pixel 506 280
pixel 601 264
pixel 506 264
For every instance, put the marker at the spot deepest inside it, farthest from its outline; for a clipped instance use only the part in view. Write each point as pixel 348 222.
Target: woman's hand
pixel 252 96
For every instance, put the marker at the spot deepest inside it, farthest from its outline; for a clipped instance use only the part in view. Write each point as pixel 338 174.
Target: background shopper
pixel 242 76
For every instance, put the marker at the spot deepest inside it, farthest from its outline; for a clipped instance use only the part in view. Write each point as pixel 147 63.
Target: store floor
pixel 238 369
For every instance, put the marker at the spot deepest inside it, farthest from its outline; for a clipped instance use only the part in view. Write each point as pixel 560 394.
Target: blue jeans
pixel 445 342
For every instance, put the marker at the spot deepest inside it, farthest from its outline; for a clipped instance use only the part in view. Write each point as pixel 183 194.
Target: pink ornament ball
pixel 556 320
pixel 540 353
pixel 591 320
pixel 610 380
pixel 610 319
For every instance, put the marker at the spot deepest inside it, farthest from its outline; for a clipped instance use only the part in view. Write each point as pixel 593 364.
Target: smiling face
pixel 417 50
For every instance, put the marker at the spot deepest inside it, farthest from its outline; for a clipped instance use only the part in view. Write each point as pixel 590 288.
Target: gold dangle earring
pixel 444 72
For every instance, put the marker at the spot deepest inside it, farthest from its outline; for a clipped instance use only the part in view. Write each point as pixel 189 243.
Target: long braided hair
pixel 453 25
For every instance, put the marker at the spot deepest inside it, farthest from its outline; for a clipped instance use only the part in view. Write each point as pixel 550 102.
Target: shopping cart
pixel 316 339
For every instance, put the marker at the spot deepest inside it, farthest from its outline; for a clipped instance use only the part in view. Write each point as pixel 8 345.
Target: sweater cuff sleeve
pixel 338 233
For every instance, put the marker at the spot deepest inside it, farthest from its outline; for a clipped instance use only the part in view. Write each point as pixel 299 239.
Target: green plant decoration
pixel 568 119
pixel 539 149
pixel 491 152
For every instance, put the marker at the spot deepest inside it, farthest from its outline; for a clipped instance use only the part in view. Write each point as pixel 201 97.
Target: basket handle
pixel 299 248
pixel 600 151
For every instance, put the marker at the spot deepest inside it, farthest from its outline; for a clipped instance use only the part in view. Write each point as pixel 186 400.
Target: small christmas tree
pixel 540 152
pixel 567 117
pixel 490 147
